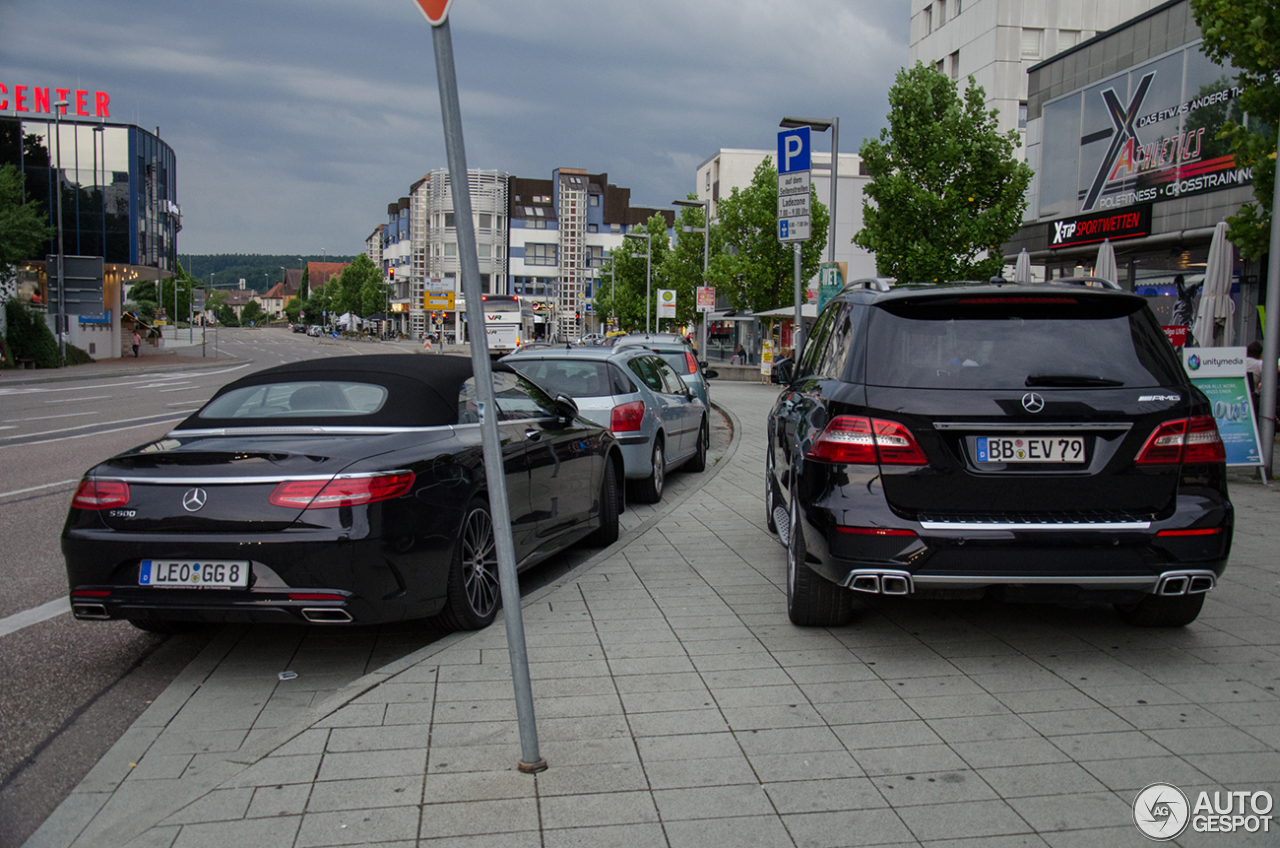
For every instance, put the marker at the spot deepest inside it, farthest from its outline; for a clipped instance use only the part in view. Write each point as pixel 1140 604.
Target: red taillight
pixel 343 491
pixel 627 417
pixel 690 362
pixel 100 494
pixel 1205 531
pixel 91 593
pixel 315 596
pixel 1186 440
pixel 852 440
pixel 875 531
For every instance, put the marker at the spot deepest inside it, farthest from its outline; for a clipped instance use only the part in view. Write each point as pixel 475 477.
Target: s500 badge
pixel 123 513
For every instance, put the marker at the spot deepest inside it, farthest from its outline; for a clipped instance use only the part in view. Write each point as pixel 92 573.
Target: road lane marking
pixel 99 433
pixel 35 615
pixel 78 400
pixel 49 417
pixel 82 426
pixel 38 488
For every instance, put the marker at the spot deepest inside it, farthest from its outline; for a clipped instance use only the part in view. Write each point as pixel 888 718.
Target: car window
pixel 574 377
pixel 835 349
pixel 645 368
pixel 517 398
pixel 671 381
pixel 297 399
pixel 814 344
pixel 622 384
pixel 677 360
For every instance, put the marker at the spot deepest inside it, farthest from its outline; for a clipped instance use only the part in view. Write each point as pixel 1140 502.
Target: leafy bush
pixel 77 356
pixel 29 336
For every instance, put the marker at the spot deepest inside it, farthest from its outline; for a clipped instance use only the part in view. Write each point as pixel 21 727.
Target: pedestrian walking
pixel 137 343
pixel 739 356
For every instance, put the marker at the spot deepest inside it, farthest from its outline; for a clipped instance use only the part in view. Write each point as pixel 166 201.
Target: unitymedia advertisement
pixel 1219 373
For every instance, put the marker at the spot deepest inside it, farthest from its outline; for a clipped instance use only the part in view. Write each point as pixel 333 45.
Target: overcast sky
pixel 295 122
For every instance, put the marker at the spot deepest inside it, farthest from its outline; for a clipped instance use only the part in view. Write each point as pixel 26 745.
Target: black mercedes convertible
pixel 331 491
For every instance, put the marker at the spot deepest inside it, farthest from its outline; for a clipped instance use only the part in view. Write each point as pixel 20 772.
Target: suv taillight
pixel 343 491
pixel 100 494
pixel 1186 441
pixel 627 417
pixel 690 362
pixel 853 440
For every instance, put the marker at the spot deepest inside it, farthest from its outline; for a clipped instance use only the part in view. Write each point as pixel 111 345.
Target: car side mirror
pixel 566 407
pixel 710 374
pixel 703 365
pixel 782 371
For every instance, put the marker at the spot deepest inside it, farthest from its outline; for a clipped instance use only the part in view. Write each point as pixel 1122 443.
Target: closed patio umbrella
pixel 1022 270
pixel 1105 267
pixel 1214 327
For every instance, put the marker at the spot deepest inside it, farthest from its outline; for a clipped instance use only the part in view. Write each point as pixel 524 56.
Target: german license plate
pixel 1031 449
pixel 190 574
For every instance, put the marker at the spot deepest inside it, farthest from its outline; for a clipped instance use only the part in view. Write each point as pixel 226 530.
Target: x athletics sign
pixel 1123 131
pixel 435 11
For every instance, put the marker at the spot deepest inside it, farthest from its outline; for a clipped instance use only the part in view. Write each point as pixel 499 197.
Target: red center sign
pixel 434 11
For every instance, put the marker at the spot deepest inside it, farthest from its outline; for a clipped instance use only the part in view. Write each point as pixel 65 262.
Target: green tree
pixel 29 337
pixel 23 231
pixel 143 299
pixel 227 316
pixel 293 310
pixel 625 297
pixel 947 191
pixel 251 312
pixel 1245 34
pixel 752 266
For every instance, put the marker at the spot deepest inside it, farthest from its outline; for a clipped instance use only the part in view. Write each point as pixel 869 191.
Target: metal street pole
pixel 1271 333
pixel 531 760
pixel 797 335
pixel 62 297
pixel 706 258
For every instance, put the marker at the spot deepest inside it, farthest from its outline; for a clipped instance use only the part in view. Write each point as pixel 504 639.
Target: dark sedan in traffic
pixel 340 490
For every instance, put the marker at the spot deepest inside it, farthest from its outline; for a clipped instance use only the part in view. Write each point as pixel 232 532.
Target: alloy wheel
pixel 480 563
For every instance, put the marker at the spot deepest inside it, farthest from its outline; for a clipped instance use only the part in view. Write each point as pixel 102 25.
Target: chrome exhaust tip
pixel 866 583
pixel 877 582
pixel 892 584
pixel 93 612
pixel 1190 582
pixel 326 615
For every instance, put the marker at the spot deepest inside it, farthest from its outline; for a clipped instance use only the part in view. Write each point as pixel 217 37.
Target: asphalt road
pixel 71 688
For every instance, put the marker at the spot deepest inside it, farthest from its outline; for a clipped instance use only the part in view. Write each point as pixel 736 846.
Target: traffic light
pixel 391 274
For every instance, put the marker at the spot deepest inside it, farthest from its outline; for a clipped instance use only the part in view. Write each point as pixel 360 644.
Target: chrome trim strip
pixel 1135 581
pixel 1072 525
pixel 1036 426
pixel 240 481
pixel 317 430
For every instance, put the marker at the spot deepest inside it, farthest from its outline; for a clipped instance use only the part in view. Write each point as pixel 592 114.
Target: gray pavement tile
pixel 788 740
pixel 712 771
pixel 358 827
pixel 156 837
pixel 456 734
pixel 288 799
pixel 978 728
pixel 1020 682
pixel 845 691
pixel 469 818
pixel 198 742
pixel 966 819
pixel 399 714
pixel 804 765
pixel 1108 746
pixel 649 835
pixel 160 766
pixel 448 711
pixel 944 787
pixel 587 752
pixel 643 683
pixel 1238 769
pixel 478 786
pixel 396 763
pixel 829 656
pixel 343 740
pixel 651 666
pixel 739 832
pixel 364 793
pixel 474 690
pixel 886 734
pixel 219 805
pixel 354 715
pixel 1009 752
pixel 923 687
pixel 694 746
pixel 579 706
pixel 1137 772
pixel 953 706
pixel 574 780
pixel 307 742
pixel 667 701
pixel 273 771
pixel 861 712
pixel 1069 722
pixel 1249 714
pixel 785 715
pixel 1111 837
pixel 644 650
pixel 1021 840
pixel 758 696
pixel 737 678
pixel 1046 700
pixel 251 833
pixel 570 687
pixel 847 829
pixel 909 760
pixel 713 802
pixel 66 822
pixel 1168 716
pixel 1048 779
pixel 562 670
pixel 580 728
pixel 818 796
pixel 1073 811
pixel 674 723
pixel 599 809
pixel 1207 740
pixel 469 673
pixel 732 662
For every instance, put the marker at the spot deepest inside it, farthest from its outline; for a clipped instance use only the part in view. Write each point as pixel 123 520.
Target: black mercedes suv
pixel 1031 442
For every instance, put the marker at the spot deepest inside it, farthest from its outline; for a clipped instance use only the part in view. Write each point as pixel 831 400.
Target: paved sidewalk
pixel 678 707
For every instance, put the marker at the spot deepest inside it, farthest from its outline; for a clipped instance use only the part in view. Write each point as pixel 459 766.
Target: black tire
pixel 168 627
pixel 812 600
pixel 769 497
pixel 649 490
pixel 473 595
pixel 607 533
pixel 1162 610
pixel 699 460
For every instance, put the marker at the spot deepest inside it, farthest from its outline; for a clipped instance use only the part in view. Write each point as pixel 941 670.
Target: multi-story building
pixel 727 169
pixel 998 41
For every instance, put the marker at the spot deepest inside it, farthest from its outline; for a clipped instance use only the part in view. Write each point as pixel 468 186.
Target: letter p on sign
pixel 435 11
pixel 793 150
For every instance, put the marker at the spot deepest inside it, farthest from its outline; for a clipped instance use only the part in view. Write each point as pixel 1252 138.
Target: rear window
pixel 677 360
pixel 1017 342
pixel 301 399
pixel 575 378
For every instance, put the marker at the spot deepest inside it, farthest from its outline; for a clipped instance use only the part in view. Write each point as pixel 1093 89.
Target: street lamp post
pixel 613 288
pixel 648 268
pixel 705 229
pixel 58 109
pixel 821 125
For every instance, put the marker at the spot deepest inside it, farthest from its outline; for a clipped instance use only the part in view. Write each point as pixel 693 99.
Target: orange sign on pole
pixel 435 11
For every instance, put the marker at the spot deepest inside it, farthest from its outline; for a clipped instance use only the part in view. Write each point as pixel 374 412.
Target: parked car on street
pixel 659 422
pixel 592 339
pixel 298 328
pixel 1029 442
pixel 335 491
pixel 675 351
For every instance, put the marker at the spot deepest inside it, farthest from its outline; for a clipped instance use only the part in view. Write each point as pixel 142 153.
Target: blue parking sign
pixel 793 150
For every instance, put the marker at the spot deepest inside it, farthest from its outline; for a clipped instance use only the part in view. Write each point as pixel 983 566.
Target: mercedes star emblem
pixel 194 499
pixel 1032 402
